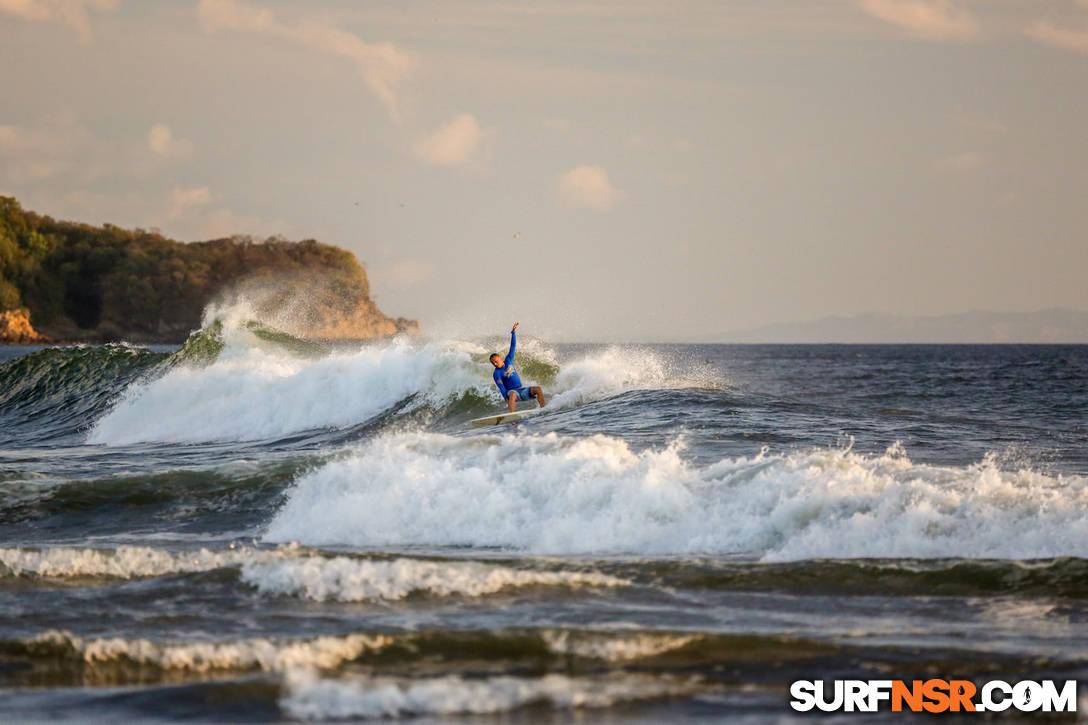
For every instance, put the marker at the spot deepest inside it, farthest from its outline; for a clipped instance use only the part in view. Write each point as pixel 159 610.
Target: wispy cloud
pixel 1055 37
pixel 47 150
pixel 70 12
pixel 589 187
pixel 196 212
pixel 162 142
pixel 455 143
pixel 927 19
pixel 183 199
pixel 383 66
pixel 65 151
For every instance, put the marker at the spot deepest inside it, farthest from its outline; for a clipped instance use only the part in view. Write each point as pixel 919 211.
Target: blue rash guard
pixel 507 377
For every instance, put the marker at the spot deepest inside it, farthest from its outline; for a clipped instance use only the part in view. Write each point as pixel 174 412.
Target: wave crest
pixel 253 387
pixel 353 580
pixel 314 698
pixel 554 494
pixel 201 657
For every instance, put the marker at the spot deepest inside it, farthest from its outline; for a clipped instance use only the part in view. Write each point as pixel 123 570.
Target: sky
pixel 600 171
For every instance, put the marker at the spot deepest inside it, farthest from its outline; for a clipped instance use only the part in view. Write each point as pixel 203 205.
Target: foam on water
pixel 254 391
pixel 288 571
pixel 311 697
pixel 355 580
pixel 255 653
pixel 615 647
pixel 124 562
pixel 556 494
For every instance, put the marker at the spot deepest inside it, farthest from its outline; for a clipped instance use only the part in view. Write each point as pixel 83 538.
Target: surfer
pixel 506 377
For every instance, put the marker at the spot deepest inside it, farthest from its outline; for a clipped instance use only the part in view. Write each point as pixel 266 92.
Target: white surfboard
pixel 506 417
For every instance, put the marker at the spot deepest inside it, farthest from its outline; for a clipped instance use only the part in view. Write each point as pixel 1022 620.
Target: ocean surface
pixel 257 529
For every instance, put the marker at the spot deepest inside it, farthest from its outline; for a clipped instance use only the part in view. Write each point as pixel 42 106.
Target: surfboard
pixel 506 417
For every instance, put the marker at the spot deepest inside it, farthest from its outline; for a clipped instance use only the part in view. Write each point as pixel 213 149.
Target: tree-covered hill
pixel 82 282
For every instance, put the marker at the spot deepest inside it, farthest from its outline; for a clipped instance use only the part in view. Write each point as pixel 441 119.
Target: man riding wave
pixel 509 382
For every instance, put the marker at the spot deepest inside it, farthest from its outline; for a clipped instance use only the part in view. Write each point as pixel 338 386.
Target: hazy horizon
pixel 610 171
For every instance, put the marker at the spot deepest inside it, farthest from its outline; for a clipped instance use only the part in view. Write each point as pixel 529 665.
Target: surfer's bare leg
pixel 512 401
pixel 539 394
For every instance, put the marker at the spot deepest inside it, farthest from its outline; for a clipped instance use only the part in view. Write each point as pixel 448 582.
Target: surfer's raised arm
pixel 513 343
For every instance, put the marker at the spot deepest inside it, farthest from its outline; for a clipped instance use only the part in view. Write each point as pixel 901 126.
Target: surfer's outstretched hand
pixel 515 327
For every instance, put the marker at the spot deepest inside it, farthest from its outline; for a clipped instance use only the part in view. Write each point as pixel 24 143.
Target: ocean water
pixel 272 532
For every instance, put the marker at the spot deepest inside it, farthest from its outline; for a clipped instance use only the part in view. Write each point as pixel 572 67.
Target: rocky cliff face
pixel 15 329
pixel 86 283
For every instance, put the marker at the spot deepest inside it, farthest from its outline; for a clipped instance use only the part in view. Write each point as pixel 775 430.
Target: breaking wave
pixel 555 494
pixel 248 388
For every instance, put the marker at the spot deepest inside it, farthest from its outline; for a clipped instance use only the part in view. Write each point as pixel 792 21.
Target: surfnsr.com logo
pixel 933 696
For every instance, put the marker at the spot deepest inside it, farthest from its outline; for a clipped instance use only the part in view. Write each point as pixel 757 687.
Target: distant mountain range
pixel 1057 325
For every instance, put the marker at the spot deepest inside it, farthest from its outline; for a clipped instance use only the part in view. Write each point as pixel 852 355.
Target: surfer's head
pixel 496 360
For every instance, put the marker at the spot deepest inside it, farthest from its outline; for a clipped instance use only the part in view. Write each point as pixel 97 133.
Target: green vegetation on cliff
pixel 85 282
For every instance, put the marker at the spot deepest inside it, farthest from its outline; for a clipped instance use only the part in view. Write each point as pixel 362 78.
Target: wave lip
pixel 124 562
pixel 201 657
pixel 353 580
pixel 563 495
pixel 253 393
pixel 313 698
pixel 289 571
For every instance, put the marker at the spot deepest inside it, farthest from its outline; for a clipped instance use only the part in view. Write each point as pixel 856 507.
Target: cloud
pixel 453 144
pixel 182 200
pixel 928 19
pixel 49 149
pixel 382 65
pixel 161 141
pixel 65 151
pixel 196 213
pixel 589 187
pixel 70 12
pixel 1063 38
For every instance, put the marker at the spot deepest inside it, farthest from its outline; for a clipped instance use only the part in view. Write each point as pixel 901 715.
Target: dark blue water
pixel 257 534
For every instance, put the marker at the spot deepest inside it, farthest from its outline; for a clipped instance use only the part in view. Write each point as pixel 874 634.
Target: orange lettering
pixel 961 693
pixel 912 695
pixel 937 692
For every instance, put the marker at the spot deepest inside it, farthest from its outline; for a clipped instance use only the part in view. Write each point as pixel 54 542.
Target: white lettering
pixel 879 691
pixel 1027 696
pixel 833 704
pixel 988 701
pixel 854 696
pixel 1065 701
pixel 804 697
